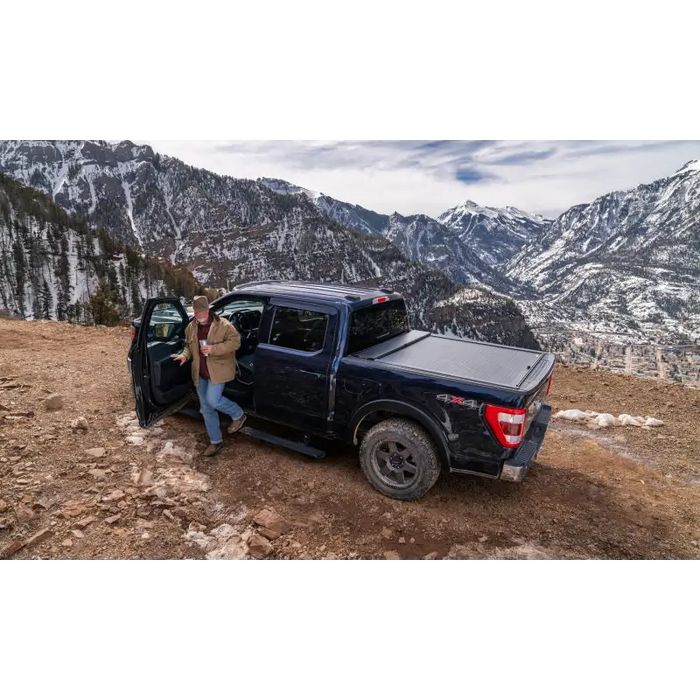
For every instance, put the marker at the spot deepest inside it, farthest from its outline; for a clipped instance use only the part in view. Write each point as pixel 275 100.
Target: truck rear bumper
pixel 518 466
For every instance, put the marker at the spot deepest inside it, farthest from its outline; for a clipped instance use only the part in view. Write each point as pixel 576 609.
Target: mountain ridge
pixel 626 264
pixel 54 266
pixel 229 230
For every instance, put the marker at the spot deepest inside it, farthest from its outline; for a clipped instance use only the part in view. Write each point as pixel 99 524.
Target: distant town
pixel 672 363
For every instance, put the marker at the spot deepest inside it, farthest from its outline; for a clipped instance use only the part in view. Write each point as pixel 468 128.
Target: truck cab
pixel 290 345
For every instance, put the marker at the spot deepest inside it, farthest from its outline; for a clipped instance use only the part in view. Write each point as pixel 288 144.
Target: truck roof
pixel 317 291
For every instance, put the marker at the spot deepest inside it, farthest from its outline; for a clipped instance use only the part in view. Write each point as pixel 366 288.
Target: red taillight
pixel 507 424
pixel 133 333
pixel 549 384
pixel 380 300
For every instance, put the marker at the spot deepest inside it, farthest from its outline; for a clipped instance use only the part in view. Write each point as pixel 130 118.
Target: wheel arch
pixel 376 411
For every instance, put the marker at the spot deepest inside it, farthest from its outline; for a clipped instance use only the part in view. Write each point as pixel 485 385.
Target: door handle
pixel 313 374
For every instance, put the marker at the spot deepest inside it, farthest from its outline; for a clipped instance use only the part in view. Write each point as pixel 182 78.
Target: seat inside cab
pixel 245 315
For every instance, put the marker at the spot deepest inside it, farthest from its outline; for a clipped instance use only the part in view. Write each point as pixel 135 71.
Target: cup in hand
pixel 203 343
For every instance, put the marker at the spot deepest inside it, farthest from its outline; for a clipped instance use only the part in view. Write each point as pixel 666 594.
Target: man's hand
pixel 206 350
pixel 180 358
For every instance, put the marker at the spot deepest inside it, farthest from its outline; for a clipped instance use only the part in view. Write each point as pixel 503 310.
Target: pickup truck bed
pixel 471 396
pixel 463 360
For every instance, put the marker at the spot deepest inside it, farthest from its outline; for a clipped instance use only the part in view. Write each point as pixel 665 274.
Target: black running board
pixel 300 447
pixel 191 412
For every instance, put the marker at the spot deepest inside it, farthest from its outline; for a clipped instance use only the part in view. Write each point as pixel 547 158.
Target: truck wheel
pixel 399 459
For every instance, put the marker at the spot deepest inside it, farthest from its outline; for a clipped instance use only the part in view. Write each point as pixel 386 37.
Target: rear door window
pixel 299 329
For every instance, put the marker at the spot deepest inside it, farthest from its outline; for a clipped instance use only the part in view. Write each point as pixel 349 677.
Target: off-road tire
pixel 394 439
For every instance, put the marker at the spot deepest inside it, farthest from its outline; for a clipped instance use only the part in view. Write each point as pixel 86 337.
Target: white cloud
pixel 411 177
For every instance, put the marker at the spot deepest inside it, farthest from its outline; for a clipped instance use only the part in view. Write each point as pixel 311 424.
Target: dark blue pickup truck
pixel 341 363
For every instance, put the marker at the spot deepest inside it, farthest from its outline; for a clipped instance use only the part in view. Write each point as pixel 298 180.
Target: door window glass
pixel 299 329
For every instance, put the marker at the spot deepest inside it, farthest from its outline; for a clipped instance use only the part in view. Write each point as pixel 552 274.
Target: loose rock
pixel 431 556
pixel 80 423
pixel 113 519
pixel 82 524
pixel 67 543
pixel 392 555
pixel 54 402
pixel 271 520
pixel 97 452
pixel 259 547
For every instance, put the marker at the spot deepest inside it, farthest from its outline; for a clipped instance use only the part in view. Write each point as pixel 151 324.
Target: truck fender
pixel 401 408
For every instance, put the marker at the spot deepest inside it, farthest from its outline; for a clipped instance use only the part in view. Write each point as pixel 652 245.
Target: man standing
pixel 211 343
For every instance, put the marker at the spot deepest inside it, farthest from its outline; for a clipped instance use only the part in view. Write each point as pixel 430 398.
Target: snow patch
pixel 130 210
pixel 148 439
pixel 607 420
pixel 223 542
pixel 60 180
pixel 93 196
pixel 167 196
pixel 169 477
pixel 689 167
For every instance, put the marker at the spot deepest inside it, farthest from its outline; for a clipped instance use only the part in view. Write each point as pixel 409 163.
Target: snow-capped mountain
pixel 624 268
pixel 51 264
pixel 426 240
pixel 627 265
pixel 496 234
pixel 229 231
pixel 335 254
pixel 470 246
pixel 141 197
pixel 350 215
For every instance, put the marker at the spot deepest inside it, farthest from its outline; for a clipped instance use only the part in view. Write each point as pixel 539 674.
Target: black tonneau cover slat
pixel 466 360
pixel 392 345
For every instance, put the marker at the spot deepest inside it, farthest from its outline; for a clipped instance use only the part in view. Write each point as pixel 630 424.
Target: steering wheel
pixel 236 320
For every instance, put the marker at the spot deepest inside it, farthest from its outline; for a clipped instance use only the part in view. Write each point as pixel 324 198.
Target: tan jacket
pixel 224 340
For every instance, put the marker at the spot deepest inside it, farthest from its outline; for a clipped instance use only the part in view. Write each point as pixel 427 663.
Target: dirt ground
pixel 615 493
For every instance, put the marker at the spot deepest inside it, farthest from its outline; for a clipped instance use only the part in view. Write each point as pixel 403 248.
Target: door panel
pixel 161 386
pixel 168 376
pixel 292 369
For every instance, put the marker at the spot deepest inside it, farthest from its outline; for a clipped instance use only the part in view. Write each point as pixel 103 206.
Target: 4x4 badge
pixel 448 398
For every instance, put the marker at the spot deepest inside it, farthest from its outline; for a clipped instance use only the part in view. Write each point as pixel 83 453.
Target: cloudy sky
pixel 544 177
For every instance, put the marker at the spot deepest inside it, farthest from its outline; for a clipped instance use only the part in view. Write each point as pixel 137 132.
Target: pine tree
pixel 112 281
pixel 36 305
pixel 46 301
pixel 104 305
pixel 5 209
pixel 73 312
pixel 20 274
pixel 136 301
pixel 62 276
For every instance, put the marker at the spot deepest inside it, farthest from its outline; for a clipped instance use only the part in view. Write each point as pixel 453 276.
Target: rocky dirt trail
pixel 80 480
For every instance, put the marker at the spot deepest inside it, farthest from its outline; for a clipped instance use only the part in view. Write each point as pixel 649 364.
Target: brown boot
pixel 237 425
pixel 212 449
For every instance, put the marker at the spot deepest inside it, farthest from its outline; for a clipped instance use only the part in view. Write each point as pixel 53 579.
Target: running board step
pixel 300 447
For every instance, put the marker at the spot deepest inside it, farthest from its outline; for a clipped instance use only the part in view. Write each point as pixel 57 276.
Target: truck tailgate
pixel 467 360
